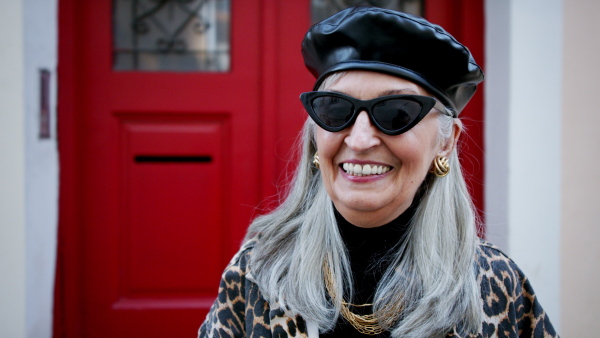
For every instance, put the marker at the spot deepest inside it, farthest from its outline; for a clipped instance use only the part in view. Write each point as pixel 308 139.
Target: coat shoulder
pixel 510 305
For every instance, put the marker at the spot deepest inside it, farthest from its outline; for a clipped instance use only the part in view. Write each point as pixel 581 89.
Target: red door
pixel 161 171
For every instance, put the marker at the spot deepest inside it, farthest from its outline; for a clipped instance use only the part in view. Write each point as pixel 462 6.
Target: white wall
pixel 40 36
pixel 12 171
pixel 580 179
pixel 523 135
pixel 28 169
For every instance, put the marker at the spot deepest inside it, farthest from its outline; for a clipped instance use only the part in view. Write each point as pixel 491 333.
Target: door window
pixel 171 35
pixel 322 9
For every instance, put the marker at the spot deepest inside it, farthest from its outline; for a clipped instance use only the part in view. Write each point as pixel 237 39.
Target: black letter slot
pixel 172 159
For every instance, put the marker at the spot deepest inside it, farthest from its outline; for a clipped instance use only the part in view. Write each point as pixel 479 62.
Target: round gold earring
pixel 441 167
pixel 316 160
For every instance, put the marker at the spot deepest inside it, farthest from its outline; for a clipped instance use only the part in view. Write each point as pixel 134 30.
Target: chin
pixel 360 206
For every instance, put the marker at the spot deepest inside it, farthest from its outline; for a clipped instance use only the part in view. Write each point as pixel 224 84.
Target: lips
pixel 365 169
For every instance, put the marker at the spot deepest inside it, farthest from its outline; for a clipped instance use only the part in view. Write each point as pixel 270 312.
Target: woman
pixel 377 234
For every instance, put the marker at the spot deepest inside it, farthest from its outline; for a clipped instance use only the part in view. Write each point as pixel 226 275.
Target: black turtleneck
pixel 368 250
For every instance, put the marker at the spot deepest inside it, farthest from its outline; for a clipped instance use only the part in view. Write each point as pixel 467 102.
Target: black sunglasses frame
pixel 426 102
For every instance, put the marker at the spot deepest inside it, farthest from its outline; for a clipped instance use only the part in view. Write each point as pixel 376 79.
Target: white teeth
pixel 365 170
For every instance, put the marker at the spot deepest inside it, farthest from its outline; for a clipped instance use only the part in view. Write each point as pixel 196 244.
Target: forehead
pixel 363 84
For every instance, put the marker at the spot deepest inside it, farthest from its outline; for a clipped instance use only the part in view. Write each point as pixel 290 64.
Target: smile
pixel 365 169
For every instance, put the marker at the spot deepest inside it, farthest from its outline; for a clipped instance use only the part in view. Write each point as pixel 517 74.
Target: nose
pixel 363 135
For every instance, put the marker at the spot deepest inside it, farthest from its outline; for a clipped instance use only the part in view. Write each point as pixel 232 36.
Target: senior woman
pixel 377 235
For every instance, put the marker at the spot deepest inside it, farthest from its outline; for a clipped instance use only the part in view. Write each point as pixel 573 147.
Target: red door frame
pixel 281 110
pixel 67 290
pixel 464 19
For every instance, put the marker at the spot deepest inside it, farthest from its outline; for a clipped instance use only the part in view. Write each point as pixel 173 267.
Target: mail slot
pixel 172 159
pixel 174 189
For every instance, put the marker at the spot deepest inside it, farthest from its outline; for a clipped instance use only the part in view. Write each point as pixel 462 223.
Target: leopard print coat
pixel 510 306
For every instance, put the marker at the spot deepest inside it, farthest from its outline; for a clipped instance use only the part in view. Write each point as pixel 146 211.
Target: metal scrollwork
pixel 189 28
pixel 171 41
pixel 342 4
pixel 322 9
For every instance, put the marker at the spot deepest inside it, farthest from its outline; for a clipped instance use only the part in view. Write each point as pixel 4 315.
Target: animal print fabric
pixel 510 306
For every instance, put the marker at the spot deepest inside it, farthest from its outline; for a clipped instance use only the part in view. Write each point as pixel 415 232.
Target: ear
pixel 451 142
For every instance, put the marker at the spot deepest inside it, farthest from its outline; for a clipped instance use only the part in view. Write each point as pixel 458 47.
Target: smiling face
pixel 391 167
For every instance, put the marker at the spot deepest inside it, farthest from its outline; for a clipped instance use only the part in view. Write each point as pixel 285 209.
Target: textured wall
pixel 28 169
pixel 522 132
pixel 41 173
pixel 12 168
pixel 580 231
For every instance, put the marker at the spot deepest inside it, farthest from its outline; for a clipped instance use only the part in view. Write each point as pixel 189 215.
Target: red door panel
pixel 166 180
pixel 162 244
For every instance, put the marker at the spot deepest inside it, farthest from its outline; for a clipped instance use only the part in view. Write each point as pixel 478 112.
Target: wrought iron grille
pixel 171 35
pixel 322 9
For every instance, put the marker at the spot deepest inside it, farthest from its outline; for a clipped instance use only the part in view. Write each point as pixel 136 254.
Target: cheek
pixel 319 138
pixel 328 143
pixel 415 163
pixel 417 149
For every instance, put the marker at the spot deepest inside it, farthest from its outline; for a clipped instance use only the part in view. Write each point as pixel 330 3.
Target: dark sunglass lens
pixel 396 114
pixel 333 111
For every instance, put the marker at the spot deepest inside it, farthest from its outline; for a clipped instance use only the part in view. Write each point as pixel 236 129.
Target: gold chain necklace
pixel 366 324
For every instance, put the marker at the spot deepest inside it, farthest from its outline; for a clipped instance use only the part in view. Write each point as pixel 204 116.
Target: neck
pixel 369 250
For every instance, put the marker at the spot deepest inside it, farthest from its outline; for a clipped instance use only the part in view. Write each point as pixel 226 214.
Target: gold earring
pixel 441 167
pixel 316 160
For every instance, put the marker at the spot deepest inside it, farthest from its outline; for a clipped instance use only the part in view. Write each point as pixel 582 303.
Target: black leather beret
pixel 400 44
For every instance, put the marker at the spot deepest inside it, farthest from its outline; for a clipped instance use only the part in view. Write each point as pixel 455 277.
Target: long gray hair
pixel 429 287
